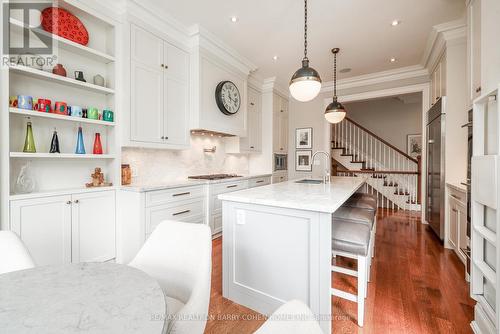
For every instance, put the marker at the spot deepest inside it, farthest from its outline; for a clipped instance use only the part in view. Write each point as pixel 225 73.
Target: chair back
pixel 13 254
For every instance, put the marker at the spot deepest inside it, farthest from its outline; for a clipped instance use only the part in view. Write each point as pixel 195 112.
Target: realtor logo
pixel 24 40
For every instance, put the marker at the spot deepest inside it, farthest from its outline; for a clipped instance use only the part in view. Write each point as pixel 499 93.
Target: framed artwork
pixel 303 161
pixel 414 145
pixel 303 138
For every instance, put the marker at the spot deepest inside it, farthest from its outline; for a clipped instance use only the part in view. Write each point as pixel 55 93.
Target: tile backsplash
pixel 157 166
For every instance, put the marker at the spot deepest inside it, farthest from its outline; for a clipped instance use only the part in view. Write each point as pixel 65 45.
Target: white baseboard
pixel 481 323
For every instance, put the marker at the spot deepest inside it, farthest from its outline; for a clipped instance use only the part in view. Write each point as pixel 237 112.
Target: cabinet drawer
pixel 258 182
pixel 216 224
pixel 458 196
pixel 188 211
pixel 160 197
pixel 229 186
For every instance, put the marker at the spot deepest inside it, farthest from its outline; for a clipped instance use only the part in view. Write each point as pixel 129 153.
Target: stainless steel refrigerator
pixel 435 195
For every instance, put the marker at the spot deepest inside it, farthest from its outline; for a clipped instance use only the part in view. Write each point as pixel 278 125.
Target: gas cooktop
pixel 213 176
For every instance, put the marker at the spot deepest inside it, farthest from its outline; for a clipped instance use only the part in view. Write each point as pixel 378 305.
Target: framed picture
pixel 303 161
pixel 303 138
pixel 414 145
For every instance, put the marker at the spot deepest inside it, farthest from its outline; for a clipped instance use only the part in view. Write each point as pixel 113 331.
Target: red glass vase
pixel 97 144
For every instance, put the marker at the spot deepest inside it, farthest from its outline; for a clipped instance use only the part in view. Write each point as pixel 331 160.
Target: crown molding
pixel 401 73
pixel 271 85
pixel 442 35
pixel 201 37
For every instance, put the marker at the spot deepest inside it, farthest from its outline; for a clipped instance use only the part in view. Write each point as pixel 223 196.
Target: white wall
pixel 161 166
pixel 389 118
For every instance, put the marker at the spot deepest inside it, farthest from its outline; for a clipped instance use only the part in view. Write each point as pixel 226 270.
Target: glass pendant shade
pixel 335 112
pixel 305 83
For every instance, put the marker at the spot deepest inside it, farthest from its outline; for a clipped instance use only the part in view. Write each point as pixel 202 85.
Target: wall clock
pixel 228 97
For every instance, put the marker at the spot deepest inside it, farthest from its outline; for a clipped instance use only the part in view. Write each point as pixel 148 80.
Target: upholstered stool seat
pixel 350 237
pixel 362 201
pixel 355 215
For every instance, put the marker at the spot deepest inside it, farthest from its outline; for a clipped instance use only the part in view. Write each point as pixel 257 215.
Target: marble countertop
pixel 81 298
pixel 457 186
pixel 311 197
pixel 186 183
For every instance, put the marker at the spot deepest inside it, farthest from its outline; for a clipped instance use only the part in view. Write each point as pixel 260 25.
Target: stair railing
pixel 380 160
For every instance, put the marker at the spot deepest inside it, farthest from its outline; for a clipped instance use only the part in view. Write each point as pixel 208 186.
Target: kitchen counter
pixel 185 183
pixel 457 187
pixel 277 244
pixel 311 197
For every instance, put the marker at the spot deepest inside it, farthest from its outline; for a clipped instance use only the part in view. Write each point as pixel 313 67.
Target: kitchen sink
pixel 310 181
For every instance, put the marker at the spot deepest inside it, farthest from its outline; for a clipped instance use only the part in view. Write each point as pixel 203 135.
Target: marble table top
pixel 311 197
pixel 81 298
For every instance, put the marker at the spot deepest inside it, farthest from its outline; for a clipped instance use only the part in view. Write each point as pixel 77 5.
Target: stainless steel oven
pixel 280 162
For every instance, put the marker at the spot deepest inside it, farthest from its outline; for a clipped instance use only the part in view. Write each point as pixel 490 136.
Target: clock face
pixel 228 97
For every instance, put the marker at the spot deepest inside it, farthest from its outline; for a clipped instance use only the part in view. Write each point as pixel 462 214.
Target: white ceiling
pixel 361 28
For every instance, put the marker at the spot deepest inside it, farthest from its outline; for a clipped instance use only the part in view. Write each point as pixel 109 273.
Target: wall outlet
pixel 134 171
pixel 240 217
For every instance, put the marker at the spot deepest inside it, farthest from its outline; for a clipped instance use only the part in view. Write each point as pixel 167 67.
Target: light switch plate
pixel 240 217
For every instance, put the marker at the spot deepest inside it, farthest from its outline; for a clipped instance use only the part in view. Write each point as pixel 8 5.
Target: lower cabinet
pixel 457 223
pixel 280 177
pixel 68 228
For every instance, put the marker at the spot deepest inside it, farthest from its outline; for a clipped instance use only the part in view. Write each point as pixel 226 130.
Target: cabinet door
pixel 253 142
pixel 176 96
pixel 146 87
pixel 93 225
pixel 44 225
pixel 216 224
pixel 284 131
pixel 453 222
pixel 462 228
pixel 276 131
pixel 475 48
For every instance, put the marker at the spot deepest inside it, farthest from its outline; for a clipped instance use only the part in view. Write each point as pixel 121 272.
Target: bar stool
pixel 360 216
pixel 352 240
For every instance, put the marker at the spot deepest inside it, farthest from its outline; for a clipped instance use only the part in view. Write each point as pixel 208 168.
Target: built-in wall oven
pixel 280 162
pixel 468 125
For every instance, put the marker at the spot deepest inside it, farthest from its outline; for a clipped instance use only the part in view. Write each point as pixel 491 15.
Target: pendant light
pixel 305 83
pixel 335 112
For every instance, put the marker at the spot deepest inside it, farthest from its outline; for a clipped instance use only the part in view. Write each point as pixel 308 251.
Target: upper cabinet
pixel 159 92
pixel 252 143
pixel 280 124
pixel 438 80
pixel 473 50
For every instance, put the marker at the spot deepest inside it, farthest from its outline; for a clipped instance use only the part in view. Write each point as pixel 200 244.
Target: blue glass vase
pixel 80 146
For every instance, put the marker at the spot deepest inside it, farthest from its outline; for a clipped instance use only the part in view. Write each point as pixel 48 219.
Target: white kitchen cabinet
pixel 473 50
pixel 438 80
pixel 44 225
pixel 67 229
pixel 280 176
pixel 453 224
pixel 252 143
pixel 159 115
pixel 215 204
pixel 93 227
pixel 457 222
pixel 280 125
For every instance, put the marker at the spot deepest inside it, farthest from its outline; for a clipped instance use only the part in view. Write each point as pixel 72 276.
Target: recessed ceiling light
pixel 345 70
pixel 395 23
pixel 393 60
pixel 275 58
pixel 234 19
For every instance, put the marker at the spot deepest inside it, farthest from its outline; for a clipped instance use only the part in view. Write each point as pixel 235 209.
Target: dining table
pixel 81 298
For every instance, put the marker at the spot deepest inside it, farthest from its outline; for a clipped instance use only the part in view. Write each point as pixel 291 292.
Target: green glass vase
pixel 29 141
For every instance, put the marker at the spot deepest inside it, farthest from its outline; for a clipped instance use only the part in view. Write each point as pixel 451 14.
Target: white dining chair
pixel 293 317
pixel 13 254
pixel 179 256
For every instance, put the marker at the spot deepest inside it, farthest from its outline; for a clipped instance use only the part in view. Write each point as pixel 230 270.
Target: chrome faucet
pixel 326 176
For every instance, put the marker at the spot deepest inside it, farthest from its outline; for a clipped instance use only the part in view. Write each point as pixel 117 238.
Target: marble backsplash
pixel 160 166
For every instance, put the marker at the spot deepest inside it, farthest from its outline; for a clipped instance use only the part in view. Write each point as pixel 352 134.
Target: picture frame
pixel 303 161
pixel 414 145
pixel 303 138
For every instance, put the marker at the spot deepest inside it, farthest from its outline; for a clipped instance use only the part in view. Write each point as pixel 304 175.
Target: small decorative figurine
pixel 80 146
pixel 97 144
pixel 79 76
pixel 98 179
pixel 107 115
pixel 25 182
pixel 59 70
pixel 99 80
pixel 29 141
pixel 54 144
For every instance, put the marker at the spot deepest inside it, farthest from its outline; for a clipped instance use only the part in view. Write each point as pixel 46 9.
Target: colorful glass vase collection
pixel 29 142
pixel 60 107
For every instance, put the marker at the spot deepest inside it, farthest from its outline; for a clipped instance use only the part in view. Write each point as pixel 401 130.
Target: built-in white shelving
pixel 31 113
pixel 68 45
pixel 59 192
pixel 60 156
pixel 39 74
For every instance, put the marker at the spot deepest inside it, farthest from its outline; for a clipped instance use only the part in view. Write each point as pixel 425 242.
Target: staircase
pixel 392 175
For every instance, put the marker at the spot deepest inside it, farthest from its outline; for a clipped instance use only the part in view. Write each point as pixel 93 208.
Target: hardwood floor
pixel 417 287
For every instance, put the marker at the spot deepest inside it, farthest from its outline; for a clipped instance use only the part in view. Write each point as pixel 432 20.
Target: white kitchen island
pixel 277 244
